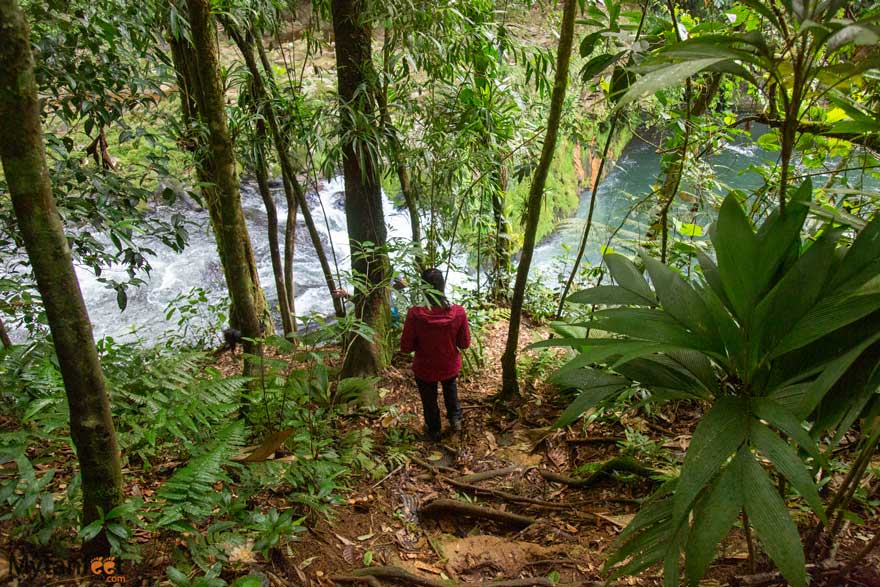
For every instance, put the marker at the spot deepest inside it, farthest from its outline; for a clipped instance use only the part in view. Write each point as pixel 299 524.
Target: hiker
pixel 436 332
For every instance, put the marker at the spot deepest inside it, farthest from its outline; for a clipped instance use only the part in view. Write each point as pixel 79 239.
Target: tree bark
pixel 363 195
pixel 24 164
pixel 262 174
pixel 510 385
pixel 501 268
pixel 245 46
pixel 292 206
pixel 4 336
pixel 224 200
pixel 410 197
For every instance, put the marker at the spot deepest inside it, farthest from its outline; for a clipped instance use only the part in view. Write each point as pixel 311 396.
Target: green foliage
pixel 765 337
pixel 189 494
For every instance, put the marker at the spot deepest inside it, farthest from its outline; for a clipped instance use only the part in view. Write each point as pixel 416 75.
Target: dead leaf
pixel 266 449
pixel 621 521
pixel 490 438
pixel 304 564
pixel 348 554
pixel 426 567
pixel 344 540
pixel 366 536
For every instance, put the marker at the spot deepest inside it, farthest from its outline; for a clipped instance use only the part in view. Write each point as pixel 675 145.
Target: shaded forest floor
pixel 508 499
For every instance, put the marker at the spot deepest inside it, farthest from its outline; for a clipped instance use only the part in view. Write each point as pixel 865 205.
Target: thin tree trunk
pixel 24 164
pixel 245 47
pixel 242 280
pixel 363 195
pixel 4 336
pixel 292 206
pixel 262 174
pixel 510 385
pixel 290 249
pixel 501 269
pixel 410 198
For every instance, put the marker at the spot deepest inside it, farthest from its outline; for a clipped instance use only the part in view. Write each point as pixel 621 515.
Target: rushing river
pixel 629 180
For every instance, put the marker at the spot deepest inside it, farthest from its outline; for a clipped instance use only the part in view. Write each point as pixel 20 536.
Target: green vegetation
pixel 710 383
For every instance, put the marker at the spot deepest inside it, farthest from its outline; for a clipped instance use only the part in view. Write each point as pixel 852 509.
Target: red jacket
pixel 435 335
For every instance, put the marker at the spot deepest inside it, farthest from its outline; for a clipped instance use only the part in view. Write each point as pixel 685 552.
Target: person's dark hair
pixel 434 278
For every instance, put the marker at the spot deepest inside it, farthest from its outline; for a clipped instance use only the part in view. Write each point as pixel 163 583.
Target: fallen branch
pixel 441 506
pixel 430 467
pixel 504 495
pixel 399 575
pixel 368 579
pixel 627 464
pixel 772 578
pixel 595 440
pixel 474 477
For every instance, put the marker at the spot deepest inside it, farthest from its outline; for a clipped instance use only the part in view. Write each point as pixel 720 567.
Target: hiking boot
pixel 432 436
pixel 455 425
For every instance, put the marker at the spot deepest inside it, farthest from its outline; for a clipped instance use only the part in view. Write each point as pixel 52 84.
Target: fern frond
pixel 190 491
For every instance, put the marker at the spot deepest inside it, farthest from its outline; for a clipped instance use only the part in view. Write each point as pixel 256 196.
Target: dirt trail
pixel 405 520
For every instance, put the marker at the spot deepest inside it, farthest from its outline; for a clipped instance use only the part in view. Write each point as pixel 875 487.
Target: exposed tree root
pixel 372 575
pixel 504 495
pixel 443 506
pixel 627 464
pixel 775 577
pixel 474 477
pixel 595 440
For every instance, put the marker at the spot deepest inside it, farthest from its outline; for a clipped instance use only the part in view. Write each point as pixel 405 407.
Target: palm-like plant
pixel 763 337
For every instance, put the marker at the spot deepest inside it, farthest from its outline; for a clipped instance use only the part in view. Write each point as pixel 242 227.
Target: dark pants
pixel 428 391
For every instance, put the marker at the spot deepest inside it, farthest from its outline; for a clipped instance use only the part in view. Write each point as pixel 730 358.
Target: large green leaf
pixel 864 253
pixel 665 77
pixel 829 376
pixel 736 247
pixel 609 295
pixel 829 314
pixel 629 277
pixel 779 416
pixel 659 371
pixel 788 463
pixel 795 293
pixel 779 236
pixel 646 324
pixel 597 386
pixel 718 435
pixel 714 515
pixel 773 525
pixel 680 300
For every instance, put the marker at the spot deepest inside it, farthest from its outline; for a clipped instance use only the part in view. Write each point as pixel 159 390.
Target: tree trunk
pixel 4 336
pixel 245 46
pixel 262 174
pixel 406 189
pixel 24 164
pixel 510 385
pixel 292 206
pixel 363 195
pixel 501 267
pixel 224 200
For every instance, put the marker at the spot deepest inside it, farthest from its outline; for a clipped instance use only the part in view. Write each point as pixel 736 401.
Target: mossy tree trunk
pixel 510 385
pixel 363 195
pixel 249 311
pixel 24 165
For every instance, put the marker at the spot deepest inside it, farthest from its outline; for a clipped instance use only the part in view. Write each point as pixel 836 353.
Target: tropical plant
pixel 762 338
